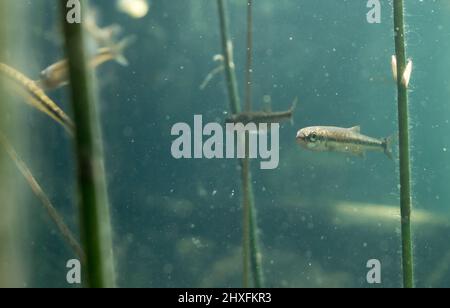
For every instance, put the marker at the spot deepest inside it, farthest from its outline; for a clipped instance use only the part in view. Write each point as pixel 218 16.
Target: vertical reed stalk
pixel 235 104
pixel 247 198
pixel 251 251
pixel 255 255
pixel 405 176
pixel 249 70
pixel 93 202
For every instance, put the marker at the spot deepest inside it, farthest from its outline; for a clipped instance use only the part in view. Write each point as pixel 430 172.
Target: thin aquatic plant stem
pixel 43 198
pixel 96 234
pixel 247 193
pixel 235 104
pixel 251 249
pixel 246 216
pixel 255 250
pixel 403 125
pixel 250 215
pixel 235 108
pixel 249 70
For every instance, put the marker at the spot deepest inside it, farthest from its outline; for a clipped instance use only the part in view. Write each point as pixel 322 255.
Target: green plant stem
pixel 235 105
pixel 255 251
pixel 249 70
pixel 405 176
pixel 246 218
pixel 251 252
pixel 255 255
pixel 93 202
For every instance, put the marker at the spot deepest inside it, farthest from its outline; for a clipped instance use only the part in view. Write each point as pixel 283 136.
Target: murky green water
pixel 178 222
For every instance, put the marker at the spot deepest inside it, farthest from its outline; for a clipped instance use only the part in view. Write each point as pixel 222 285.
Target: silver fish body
pixel 57 74
pixel 258 117
pixel 339 139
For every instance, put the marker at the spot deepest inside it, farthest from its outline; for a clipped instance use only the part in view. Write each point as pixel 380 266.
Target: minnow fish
pixel 57 74
pixel 263 116
pixel 35 96
pixel 338 139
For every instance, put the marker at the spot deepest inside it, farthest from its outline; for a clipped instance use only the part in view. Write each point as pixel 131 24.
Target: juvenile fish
pixel 57 74
pixel 34 96
pixel 263 116
pixel 338 139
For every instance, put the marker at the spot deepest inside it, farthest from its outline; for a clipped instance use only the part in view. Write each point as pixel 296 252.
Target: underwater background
pixel 321 216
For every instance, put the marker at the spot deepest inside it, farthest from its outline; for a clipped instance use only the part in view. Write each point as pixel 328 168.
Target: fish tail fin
pixel 119 48
pixel 387 146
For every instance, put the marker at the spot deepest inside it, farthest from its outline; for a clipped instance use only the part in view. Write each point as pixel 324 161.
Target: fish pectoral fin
pixel 356 129
pixel 387 146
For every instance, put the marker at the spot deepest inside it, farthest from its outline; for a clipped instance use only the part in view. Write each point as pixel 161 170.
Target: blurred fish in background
pixel 105 45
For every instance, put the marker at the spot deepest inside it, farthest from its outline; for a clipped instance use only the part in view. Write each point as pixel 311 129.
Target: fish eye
pixel 313 137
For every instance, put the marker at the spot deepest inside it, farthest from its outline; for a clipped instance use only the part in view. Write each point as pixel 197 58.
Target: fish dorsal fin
pixel 355 129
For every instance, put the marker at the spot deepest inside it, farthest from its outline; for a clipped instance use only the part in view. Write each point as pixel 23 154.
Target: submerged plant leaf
pixel 35 96
pixel 42 196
